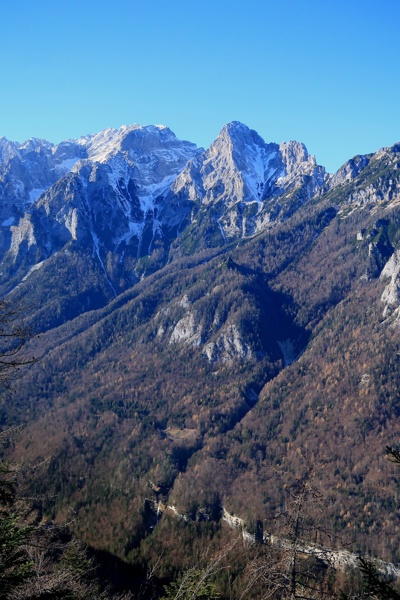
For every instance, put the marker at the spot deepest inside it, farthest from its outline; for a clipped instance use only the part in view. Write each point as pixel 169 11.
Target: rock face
pixel 369 180
pixel 228 346
pixel 391 294
pixel 220 341
pixel 349 171
pixel 26 170
pixel 245 180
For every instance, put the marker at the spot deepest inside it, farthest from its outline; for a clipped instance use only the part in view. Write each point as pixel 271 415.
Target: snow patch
pixel 66 165
pixel 134 229
pixel 34 194
pixel 221 230
pixel 257 173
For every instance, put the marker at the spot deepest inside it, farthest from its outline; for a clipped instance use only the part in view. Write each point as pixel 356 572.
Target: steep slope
pixel 200 318
pixel 368 180
pixel 338 403
pixel 137 187
pixel 29 169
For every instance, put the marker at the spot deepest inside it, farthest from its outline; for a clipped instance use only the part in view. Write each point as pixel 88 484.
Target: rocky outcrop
pixel 369 180
pixel 349 171
pixel 28 169
pixel 187 331
pixel 228 346
pixel 391 294
pixel 222 341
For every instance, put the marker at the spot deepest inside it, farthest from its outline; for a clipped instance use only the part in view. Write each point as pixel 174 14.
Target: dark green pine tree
pixel 375 584
pixel 192 585
pixel 15 565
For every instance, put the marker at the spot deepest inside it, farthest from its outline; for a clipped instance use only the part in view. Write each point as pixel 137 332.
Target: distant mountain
pixel 248 183
pixel 130 200
pixel 102 196
pixel 211 321
pixel 128 191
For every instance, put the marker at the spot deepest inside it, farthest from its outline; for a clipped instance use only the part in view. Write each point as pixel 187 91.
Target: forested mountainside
pixel 211 323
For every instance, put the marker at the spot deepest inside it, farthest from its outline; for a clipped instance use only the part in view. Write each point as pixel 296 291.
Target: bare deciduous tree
pixel 285 567
pixel 14 334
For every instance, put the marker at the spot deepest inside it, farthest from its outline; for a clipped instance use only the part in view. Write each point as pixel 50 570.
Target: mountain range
pixel 210 322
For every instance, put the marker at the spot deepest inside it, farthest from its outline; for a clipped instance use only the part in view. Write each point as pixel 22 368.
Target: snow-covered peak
pixel 147 175
pixel 244 177
pixel 236 134
pixel 160 126
pixel 236 128
pixel 9 150
pixel 102 146
pixel 255 160
pixel 33 144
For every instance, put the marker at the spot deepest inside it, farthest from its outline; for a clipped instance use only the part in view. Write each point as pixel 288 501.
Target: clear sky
pixel 322 72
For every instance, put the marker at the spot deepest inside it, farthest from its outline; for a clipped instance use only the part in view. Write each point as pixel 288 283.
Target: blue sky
pixel 325 73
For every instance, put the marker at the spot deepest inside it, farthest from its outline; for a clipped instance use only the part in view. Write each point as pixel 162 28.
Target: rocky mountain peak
pixel 131 187
pixel 110 197
pixel 7 150
pixel 37 144
pixel 243 177
pixel 294 153
pixel 349 170
pixel 236 135
pixel 134 139
pixel 234 169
